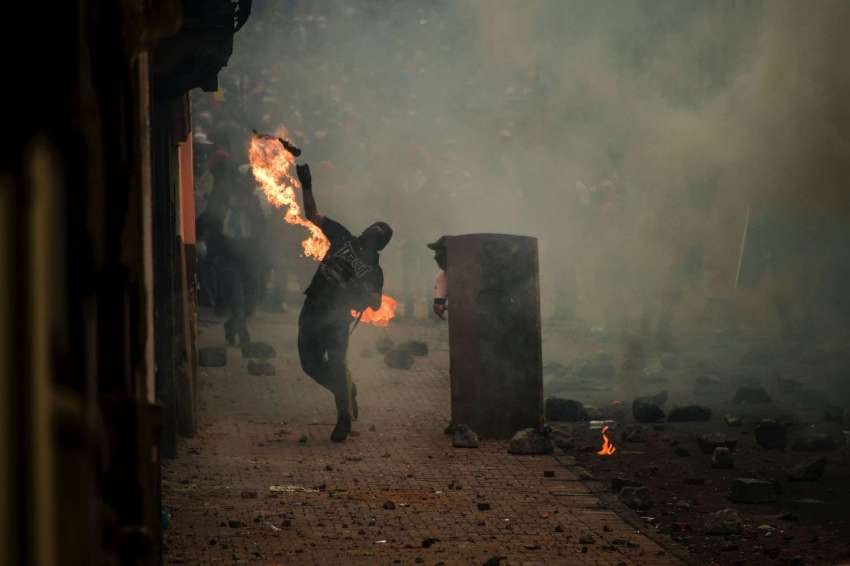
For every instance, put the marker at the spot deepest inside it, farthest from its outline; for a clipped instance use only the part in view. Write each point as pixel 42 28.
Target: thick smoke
pixel 630 137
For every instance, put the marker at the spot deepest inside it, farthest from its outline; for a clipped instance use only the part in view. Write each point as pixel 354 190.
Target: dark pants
pixel 241 291
pixel 323 346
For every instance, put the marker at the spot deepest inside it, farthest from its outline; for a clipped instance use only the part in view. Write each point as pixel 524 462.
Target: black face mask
pixel 376 236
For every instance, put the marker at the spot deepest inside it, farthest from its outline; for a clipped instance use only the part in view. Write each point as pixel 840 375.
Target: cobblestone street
pixel 261 483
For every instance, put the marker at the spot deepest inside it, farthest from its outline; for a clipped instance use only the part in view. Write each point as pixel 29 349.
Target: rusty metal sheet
pixel 494 333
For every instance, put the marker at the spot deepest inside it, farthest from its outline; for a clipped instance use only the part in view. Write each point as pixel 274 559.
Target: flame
pixel 608 447
pixel 380 317
pixel 273 169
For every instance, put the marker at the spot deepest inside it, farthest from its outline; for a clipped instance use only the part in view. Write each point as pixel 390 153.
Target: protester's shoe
pixel 342 429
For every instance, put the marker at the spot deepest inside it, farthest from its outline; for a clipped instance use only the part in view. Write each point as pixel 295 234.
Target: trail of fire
pixel 272 166
pixel 608 447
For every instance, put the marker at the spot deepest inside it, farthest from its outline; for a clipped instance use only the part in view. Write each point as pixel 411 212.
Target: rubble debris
pixel 732 421
pixel 233 524
pixel 637 498
pixel 812 441
pixel 389 505
pixel 494 560
pixel 464 437
pixel 586 539
pixel 562 440
pixel 384 344
pixel 259 350
pixel 565 410
pixel 689 413
pixel 416 347
pixel 751 395
pixel 249 494
pixel 645 412
pixel 429 542
pixel 722 458
pixel 482 506
pixel 750 490
pixel 260 368
pixel 771 435
pixel 724 522
pixel 808 471
pixel 634 433
pixel 399 358
pixel 708 442
pixel 530 441
pixel 212 357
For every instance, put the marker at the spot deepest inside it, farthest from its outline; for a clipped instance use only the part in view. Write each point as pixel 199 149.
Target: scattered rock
pixel 389 505
pixel 259 350
pixel 562 440
pixel 464 437
pixel 399 358
pixel 566 410
pixel 530 441
pixel 751 395
pixel 260 368
pixel 732 421
pixel 248 494
pixel 302 439
pixel 645 412
pixel 586 539
pixel 483 506
pixel 722 458
pixel 708 442
pixel 812 441
pixel 634 433
pixel 384 344
pixel 749 490
pixel 636 498
pixel 771 435
pixel 429 542
pixel 494 560
pixel 233 524
pixel 808 471
pixel 723 522
pixel 416 347
pixel 689 413
pixel 212 357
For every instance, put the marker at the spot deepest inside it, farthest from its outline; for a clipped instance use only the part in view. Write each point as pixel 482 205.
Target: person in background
pixel 440 283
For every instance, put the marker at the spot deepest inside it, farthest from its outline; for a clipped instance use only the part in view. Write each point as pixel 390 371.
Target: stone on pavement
pixel 464 437
pixel 530 441
pixel 565 410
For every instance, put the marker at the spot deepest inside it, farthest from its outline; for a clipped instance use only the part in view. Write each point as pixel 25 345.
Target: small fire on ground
pixel 608 447
pixel 273 168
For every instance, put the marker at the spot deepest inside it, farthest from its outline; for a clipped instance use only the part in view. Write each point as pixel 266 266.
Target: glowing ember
pixel 608 447
pixel 380 317
pixel 273 169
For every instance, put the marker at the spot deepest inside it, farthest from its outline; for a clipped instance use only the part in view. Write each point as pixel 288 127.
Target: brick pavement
pixel 451 506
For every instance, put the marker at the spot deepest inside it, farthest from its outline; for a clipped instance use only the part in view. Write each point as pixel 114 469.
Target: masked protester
pixel 348 278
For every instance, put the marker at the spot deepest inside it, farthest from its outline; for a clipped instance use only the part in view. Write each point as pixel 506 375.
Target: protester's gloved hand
pixel 304 176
